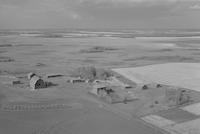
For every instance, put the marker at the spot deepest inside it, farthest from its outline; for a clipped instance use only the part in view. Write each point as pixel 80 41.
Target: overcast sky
pixel 139 14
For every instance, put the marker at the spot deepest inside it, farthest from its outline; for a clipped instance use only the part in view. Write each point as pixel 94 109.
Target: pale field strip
pixel 194 108
pixel 186 75
pixel 157 121
pixel 115 81
pixel 6 79
pixel 189 127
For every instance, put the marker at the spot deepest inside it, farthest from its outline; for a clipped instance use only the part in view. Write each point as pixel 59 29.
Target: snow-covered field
pixel 186 75
pixel 194 109
pixel 157 121
pixel 190 127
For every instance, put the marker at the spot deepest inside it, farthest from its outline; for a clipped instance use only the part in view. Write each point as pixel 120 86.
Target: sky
pixel 98 14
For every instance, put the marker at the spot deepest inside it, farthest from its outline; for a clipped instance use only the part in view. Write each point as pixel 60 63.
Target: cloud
pixel 195 7
pixel 149 2
pixel 136 1
pixel 37 7
pixel 95 12
pixel 126 2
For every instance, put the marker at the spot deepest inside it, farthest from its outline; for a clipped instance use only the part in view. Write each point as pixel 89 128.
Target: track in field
pixel 38 107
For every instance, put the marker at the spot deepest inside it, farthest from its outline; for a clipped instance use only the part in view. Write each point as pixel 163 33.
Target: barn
pixel 37 83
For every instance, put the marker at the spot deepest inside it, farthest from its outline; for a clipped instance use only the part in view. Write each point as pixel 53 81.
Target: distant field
pixel 185 75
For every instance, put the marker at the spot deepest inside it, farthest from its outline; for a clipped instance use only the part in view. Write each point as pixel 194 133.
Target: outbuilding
pixel 77 80
pixel 107 93
pixel 37 83
pixel 30 75
pixel 101 90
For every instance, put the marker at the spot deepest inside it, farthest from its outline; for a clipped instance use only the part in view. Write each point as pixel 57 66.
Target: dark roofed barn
pixel 37 83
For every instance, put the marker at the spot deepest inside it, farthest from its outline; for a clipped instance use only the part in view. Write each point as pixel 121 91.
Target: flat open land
pixel 67 108
pixel 185 75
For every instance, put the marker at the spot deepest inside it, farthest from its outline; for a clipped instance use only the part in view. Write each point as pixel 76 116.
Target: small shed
pixel 53 75
pixel 37 83
pixel 77 80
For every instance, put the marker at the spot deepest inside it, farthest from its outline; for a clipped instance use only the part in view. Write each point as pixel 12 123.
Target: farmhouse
pixel 111 94
pixel 101 90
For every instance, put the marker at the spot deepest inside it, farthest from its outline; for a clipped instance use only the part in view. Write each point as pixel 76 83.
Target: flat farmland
pixel 185 75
